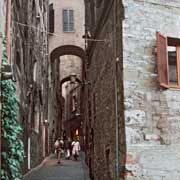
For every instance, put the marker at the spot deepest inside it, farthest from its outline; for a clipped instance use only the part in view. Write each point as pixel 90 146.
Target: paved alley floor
pixel 67 170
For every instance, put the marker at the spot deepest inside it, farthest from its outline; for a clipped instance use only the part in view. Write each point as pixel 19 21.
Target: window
pixel 35 71
pixel 18 61
pixel 36 121
pixel 68 20
pixel 168 61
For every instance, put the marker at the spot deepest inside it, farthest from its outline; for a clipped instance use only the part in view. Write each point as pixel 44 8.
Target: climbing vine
pixel 12 152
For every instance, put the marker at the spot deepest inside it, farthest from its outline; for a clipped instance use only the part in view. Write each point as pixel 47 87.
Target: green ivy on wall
pixel 12 154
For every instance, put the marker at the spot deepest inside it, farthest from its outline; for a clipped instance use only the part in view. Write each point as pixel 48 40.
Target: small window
pixel 18 61
pixel 168 61
pixel 36 121
pixel 68 20
pixel 172 61
pixel 35 71
pixel 74 101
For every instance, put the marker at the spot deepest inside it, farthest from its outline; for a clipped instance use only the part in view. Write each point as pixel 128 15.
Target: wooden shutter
pixel 65 20
pixel 71 20
pixel 178 64
pixel 51 18
pixel 162 60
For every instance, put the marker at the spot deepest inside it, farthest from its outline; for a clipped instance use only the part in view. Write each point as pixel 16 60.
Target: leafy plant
pixel 12 147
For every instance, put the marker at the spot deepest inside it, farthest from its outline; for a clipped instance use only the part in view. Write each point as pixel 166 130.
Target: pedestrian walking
pixel 67 148
pixel 58 145
pixel 64 135
pixel 75 149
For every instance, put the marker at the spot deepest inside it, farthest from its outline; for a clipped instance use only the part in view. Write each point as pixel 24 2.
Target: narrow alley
pixel 67 170
pixel 90 89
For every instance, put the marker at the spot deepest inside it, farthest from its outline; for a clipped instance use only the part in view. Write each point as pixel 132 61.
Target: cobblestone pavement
pixel 67 170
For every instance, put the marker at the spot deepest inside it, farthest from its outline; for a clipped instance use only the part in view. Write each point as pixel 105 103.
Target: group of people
pixel 67 147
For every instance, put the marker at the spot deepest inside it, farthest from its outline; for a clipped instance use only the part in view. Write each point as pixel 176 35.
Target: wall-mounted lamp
pixel 46 122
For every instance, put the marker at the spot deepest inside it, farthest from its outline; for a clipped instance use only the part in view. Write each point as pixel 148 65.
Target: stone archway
pixel 67 50
pixel 68 78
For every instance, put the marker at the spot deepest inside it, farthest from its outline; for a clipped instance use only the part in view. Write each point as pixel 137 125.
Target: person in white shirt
pixel 59 148
pixel 75 149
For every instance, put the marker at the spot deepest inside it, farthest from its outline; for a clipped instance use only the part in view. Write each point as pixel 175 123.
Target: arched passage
pixel 73 119
pixel 67 50
pixel 68 78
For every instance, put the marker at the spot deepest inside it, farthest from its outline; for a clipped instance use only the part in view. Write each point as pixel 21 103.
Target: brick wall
pixel 151 113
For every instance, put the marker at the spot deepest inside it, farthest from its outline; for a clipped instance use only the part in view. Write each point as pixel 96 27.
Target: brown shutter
pixel 162 60
pixel 51 18
pixel 178 64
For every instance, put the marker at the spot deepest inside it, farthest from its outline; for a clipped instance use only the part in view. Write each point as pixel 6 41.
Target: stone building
pixel 2 32
pixel 132 112
pixel 66 48
pixel 29 56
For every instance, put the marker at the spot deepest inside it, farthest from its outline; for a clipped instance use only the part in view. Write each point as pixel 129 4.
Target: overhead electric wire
pixel 55 34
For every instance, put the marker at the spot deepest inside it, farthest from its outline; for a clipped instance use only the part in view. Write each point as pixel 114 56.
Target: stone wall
pixel 55 104
pixel 152 115
pixel 102 70
pixel 70 65
pixel 29 56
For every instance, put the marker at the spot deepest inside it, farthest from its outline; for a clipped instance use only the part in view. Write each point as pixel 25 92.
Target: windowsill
pixel 171 87
pixel 68 31
pixel 174 88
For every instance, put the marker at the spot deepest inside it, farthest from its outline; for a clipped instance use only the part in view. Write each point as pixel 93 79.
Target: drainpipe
pixel 115 91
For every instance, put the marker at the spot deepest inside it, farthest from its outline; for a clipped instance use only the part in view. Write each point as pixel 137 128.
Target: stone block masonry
pixel 152 115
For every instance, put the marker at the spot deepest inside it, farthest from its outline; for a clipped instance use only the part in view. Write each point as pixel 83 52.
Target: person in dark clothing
pixel 64 135
pixel 67 147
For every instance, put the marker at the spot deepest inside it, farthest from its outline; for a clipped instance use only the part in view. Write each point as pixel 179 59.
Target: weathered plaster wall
pixel 152 115
pixel 2 25
pixel 67 38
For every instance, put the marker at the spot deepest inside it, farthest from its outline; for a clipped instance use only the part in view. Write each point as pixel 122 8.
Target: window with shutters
pixel 68 20
pixel 168 61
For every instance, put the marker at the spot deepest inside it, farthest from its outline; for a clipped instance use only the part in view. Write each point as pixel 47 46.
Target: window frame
pixel 163 62
pixel 178 68
pixel 68 20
